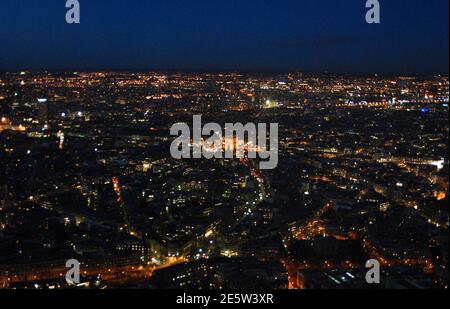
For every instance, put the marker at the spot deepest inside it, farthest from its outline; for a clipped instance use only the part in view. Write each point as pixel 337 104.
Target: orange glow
pixel 115 181
pixel 209 233
pixel 116 185
pixel 441 196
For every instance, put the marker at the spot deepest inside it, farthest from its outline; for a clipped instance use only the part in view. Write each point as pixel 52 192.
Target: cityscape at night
pixel 88 178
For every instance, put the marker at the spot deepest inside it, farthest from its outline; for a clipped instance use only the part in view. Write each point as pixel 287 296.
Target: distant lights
pixel 42 100
pixel 441 196
pixel 439 164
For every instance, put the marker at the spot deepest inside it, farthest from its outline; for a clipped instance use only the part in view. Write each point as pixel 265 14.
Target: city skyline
pixel 89 176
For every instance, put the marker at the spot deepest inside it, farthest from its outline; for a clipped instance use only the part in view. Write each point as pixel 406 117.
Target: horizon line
pixel 242 71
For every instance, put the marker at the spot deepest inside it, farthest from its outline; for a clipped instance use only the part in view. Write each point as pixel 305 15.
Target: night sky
pixel 257 35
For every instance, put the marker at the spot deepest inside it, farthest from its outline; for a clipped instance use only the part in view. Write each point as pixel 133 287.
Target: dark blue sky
pixel 312 35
